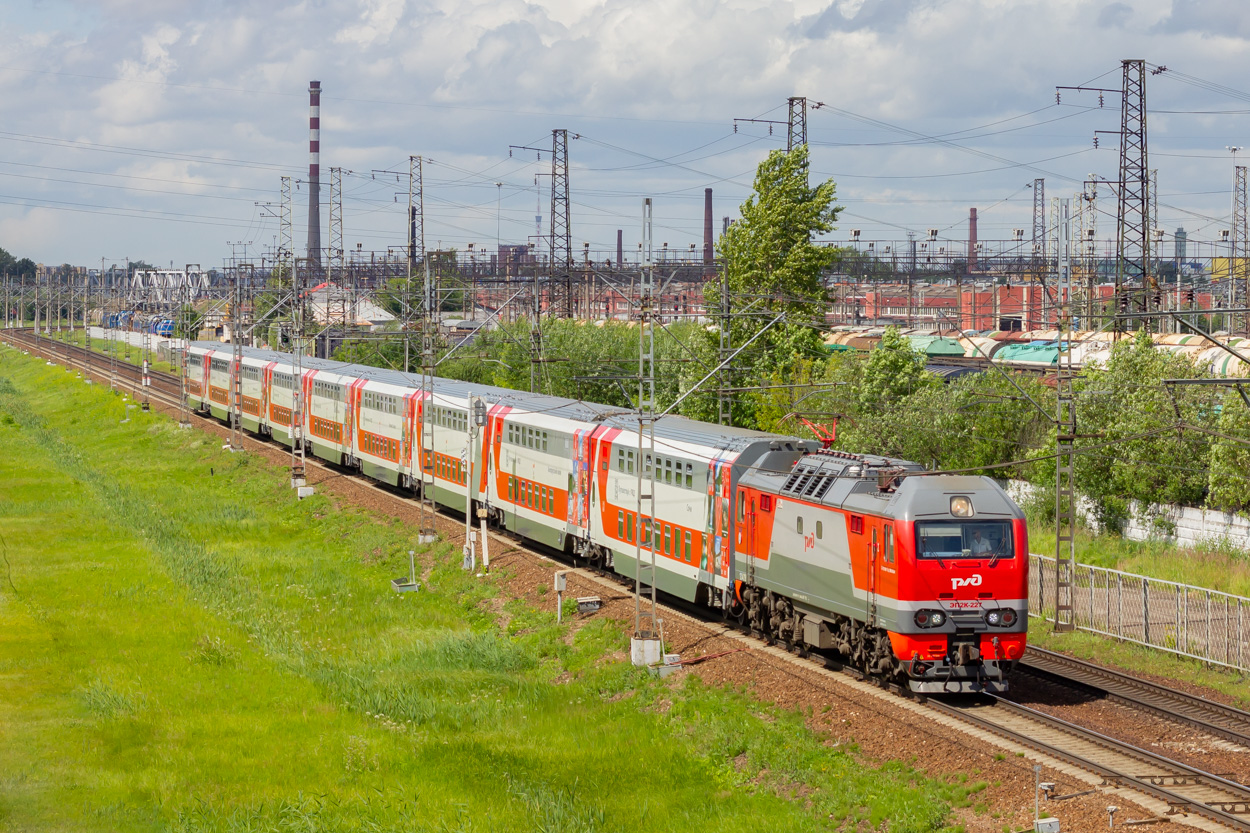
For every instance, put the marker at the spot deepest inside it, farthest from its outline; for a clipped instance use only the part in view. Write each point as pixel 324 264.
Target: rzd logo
pixel 970 581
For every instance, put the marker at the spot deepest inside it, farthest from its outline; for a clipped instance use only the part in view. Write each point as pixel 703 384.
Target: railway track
pixel 165 387
pixel 1185 789
pixel 1182 789
pixel 1215 719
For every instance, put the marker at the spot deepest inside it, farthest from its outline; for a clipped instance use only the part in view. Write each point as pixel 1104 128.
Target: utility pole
pixel 336 289
pixel 646 645
pixel 1065 436
pixel 298 476
pixel 1240 245
pixel 1133 196
pixel 1039 261
pixel 796 132
pixel 426 408
pixel 416 247
pixel 561 230
pixel 724 395
pixel 145 340
pixel 236 369
pixel 181 326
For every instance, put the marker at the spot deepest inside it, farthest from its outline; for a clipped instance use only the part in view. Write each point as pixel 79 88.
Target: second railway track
pixel 1185 789
pixel 1213 718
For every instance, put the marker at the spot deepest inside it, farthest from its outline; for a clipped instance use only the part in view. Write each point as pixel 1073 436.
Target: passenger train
pixel 919 578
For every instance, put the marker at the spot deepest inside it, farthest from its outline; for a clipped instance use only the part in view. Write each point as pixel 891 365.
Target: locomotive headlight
pixel 930 618
pixel 1001 618
pixel 961 507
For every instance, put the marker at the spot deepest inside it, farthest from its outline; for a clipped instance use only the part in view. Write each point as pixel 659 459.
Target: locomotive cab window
pixel 973 539
pixel 888 540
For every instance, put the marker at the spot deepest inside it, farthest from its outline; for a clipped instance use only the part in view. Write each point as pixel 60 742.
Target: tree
pixel 1145 451
pixel 773 267
pixel 1228 489
pixel 894 370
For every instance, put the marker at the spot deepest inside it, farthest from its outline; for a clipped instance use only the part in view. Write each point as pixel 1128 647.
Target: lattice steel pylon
pixel 298 471
pixel 429 323
pixel 797 122
pixel 1038 257
pixel 561 228
pixel 1088 253
pixel 286 241
pixel 646 646
pixel 1132 250
pixel 416 242
pixel 336 296
pixel 1239 244
pixel 1065 436
pixel 236 359
pixel 724 394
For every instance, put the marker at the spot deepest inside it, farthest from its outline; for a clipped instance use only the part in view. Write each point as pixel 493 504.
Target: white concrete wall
pixel 1182 525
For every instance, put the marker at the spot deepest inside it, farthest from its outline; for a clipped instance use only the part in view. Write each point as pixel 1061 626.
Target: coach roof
pixel 669 427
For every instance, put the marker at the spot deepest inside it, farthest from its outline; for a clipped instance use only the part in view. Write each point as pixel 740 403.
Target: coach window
pixel 629 527
pixel 629 463
pixel 620 523
pixel 620 459
pixel 668 539
pixel 798 525
pixel 646 532
pixel 687 545
pixel 689 475
pixel 820 530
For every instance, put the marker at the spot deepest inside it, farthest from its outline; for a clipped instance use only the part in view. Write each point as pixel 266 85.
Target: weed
pixel 109 702
pixel 212 650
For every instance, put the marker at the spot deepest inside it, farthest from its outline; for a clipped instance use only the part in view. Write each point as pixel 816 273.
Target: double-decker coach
pixel 910 575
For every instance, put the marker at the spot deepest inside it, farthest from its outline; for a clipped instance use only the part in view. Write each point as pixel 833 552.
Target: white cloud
pixel 459 81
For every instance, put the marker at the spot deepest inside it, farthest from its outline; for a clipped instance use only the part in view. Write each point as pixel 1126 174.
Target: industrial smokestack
pixel 314 172
pixel 707 226
pixel 620 248
pixel 972 240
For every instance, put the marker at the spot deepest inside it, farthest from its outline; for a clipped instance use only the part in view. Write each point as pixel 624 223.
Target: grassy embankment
pixel 184 647
pixel 1217 567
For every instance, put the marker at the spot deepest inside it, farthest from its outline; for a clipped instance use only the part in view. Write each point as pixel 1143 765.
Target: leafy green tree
pixel 773 266
pixel 1144 451
pixel 894 370
pixel 1228 480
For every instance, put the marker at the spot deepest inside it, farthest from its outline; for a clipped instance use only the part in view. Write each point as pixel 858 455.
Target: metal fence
pixel 1190 621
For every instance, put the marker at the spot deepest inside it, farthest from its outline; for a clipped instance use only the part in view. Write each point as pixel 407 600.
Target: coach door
pixel 874 566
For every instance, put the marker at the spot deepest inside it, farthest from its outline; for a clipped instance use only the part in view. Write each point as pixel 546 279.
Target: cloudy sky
pixel 159 129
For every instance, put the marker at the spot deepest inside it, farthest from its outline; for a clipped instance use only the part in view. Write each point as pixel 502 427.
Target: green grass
pixel 1139 658
pixel 1216 567
pixel 131 354
pixel 185 647
pixel 1219 568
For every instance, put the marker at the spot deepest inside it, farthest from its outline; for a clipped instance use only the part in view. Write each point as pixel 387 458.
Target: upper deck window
pixel 972 539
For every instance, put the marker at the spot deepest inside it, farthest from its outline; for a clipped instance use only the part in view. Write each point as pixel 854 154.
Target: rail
pixel 1176 706
pixel 1184 788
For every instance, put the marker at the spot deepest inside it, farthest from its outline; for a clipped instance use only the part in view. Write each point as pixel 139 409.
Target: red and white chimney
pixel 314 172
